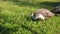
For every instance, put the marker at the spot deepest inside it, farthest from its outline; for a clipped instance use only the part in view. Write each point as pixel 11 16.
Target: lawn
pixel 15 17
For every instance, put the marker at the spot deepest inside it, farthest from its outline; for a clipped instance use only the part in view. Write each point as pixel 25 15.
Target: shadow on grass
pixel 4 30
pixel 39 4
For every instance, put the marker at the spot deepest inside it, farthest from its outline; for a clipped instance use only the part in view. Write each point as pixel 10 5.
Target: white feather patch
pixel 41 16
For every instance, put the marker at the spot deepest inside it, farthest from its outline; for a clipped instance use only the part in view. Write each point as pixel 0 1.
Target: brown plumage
pixel 44 12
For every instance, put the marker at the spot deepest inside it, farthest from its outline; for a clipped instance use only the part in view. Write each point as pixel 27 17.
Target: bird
pixel 42 14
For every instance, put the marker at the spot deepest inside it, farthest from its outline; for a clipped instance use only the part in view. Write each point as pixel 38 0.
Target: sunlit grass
pixel 15 18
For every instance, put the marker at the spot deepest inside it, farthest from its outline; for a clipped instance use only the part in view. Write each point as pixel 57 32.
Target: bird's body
pixel 42 14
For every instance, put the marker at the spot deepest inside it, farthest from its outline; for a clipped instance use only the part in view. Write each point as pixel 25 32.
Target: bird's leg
pixel 44 21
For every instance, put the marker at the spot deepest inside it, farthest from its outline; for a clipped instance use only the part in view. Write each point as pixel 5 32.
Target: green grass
pixel 15 17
